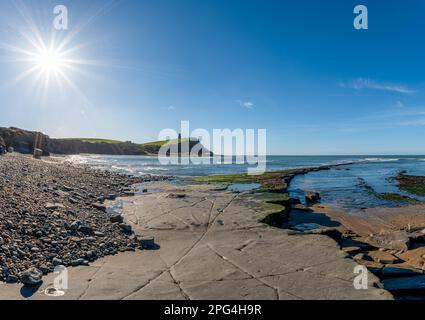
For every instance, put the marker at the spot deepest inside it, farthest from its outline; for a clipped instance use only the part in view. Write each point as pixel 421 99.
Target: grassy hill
pixel 159 144
pixel 93 140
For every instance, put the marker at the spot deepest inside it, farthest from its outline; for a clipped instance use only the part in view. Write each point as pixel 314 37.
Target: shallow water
pixel 242 187
pixel 342 186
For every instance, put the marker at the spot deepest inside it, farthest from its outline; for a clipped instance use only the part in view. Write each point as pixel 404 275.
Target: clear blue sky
pixel 297 68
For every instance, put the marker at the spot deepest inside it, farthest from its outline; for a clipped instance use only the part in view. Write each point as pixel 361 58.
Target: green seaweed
pixel 245 178
pixel 412 184
pixel 396 197
pixel 272 197
pixel 387 196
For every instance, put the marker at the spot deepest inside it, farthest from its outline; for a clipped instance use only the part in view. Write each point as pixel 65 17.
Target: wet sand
pixel 375 220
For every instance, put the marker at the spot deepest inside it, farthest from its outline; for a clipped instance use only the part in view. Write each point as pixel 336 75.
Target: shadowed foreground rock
pixel 211 246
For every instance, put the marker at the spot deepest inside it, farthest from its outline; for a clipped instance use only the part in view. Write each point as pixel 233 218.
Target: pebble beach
pixel 52 213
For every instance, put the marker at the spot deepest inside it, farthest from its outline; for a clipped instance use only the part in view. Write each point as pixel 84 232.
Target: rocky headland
pixel 25 141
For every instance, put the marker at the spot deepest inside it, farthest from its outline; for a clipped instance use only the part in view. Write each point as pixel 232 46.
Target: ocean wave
pixel 353 161
pixel 155 169
pixel 76 159
pixel 381 160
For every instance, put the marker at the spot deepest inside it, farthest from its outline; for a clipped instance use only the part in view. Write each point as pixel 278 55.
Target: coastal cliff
pixel 75 146
pixel 23 141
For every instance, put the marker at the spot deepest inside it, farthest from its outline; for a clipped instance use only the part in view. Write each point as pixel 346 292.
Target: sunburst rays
pixel 49 60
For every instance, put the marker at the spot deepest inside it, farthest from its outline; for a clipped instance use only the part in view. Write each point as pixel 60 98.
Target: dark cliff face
pixel 64 146
pixel 23 141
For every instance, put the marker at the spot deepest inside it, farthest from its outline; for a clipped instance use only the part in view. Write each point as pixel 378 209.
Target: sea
pixel 344 186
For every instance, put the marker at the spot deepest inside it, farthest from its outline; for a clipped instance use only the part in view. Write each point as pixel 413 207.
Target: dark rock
pixel 176 195
pixel 116 218
pixel 295 201
pixel 73 200
pixel 147 242
pixel 75 225
pixel 44 269
pixel 125 228
pixel 77 262
pixel 54 206
pixel 31 277
pixel 99 206
pixel 12 279
pixel 90 255
pixel 112 196
pixel 57 261
pixel 312 197
pixel 86 230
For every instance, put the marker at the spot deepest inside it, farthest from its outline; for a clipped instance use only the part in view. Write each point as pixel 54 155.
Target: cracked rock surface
pixel 210 245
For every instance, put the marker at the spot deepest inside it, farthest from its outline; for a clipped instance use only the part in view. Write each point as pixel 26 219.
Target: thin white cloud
pixel 171 108
pixel 400 104
pixel 395 117
pixel 246 104
pixel 361 83
pixel 413 123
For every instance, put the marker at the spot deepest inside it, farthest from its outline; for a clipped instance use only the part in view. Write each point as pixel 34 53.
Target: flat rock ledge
pixel 210 245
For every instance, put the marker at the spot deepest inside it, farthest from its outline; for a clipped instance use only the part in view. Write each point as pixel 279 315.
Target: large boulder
pixel 312 197
pixel 31 277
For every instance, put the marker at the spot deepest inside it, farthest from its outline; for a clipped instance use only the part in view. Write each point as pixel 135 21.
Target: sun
pixel 51 64
pixel 50 61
